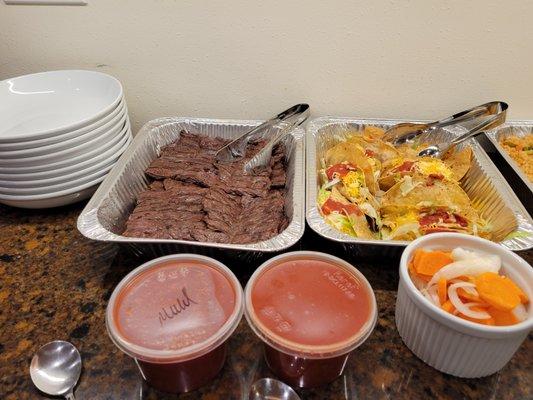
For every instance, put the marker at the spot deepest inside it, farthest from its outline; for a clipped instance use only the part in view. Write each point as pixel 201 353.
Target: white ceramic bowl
pixel 76 142
pixel 114 115
pixel 448 343
pixel 98 159
pixel 55 200
pixel 58 187
pixel 101 166
pixel 70 162
pixel 101 142
pixel 48 103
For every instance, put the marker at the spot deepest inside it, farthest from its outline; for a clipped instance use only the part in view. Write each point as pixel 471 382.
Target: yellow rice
pixel 516 147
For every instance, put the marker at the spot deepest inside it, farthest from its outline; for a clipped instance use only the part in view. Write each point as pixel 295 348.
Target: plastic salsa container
pixel 173 315
pixel 311 310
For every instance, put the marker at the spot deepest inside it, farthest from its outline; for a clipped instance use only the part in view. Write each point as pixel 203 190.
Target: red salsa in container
pixel 311 310
pixel 174 315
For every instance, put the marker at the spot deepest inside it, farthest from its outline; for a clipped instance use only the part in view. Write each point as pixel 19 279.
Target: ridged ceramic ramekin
pixel 446 342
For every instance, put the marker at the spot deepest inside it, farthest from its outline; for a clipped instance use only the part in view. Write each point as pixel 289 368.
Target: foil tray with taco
pixel 373 190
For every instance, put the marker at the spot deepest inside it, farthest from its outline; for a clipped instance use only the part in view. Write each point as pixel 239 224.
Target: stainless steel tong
pixel 439 150
pixel 274 130
pixel 405 133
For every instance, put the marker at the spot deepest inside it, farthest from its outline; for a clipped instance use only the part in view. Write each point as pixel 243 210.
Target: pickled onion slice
pixel 465 308
pixel 470 267
pixel 520 312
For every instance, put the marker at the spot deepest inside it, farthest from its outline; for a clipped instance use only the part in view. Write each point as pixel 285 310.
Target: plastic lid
pixel 310 304
pixel 174 308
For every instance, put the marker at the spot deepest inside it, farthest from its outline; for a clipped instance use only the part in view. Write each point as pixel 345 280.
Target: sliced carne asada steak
pixel 194 197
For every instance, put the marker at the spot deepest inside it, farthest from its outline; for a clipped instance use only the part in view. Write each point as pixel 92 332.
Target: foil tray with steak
pixel 195 197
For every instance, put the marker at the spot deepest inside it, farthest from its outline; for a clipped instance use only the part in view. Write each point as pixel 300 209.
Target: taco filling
pixel 370 189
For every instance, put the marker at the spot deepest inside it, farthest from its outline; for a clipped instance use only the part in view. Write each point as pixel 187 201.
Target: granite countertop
pixel 55 284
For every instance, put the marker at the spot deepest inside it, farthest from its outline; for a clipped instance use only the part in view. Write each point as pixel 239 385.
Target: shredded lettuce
pixel 340 222
pixel 323 196
pixel 484 228
pixel 401 230
pixel 517 235
pixel 407 185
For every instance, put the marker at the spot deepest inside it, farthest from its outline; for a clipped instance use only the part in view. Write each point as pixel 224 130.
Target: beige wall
pixel 249 59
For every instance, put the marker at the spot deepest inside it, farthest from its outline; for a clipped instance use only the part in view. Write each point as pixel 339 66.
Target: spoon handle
pixel 70 396
pixel 294 116
pixel 492 122
pixel 462 116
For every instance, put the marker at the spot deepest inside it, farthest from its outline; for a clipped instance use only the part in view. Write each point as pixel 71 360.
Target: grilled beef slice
pixel 194 197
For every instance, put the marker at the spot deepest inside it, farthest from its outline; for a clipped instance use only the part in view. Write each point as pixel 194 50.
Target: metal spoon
pixel 272 389
pixel 55 369
pixel 407 132
pixel 440 150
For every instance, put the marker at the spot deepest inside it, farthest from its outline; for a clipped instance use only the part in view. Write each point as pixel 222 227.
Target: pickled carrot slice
pixel 503 318
pixel 442 290
pixel 494 290
pixel 429 262
pixel 448 306
pixel 515 288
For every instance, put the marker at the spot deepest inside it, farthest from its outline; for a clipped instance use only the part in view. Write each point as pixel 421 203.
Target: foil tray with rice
pixel 514 141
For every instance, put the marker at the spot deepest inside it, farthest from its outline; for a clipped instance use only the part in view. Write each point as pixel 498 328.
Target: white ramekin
pixel 449 343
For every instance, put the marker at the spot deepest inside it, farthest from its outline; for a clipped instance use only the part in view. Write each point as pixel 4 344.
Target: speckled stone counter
pixel 54 284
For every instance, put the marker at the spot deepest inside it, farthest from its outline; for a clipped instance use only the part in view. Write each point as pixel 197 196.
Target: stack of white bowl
pixel 61 132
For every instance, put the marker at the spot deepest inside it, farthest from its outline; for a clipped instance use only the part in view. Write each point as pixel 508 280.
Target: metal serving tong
pixel 405 133
pixel 440 150
pixel 285 121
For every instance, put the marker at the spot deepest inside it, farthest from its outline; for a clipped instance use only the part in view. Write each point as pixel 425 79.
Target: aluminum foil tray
pixel 514 128
pixel 512 226
pixel 105 215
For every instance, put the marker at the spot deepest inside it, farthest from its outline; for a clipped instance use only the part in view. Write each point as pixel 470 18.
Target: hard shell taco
pixel 354 154
pixel 343 214
pixel 395 170
pixel 459 162
pixel 420 205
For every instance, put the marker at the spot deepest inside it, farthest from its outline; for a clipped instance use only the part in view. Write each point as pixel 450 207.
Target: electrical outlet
pixel 46 2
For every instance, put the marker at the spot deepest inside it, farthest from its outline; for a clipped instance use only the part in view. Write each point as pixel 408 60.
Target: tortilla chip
pixel 388 181
pixel 374 132
pixel 425 192
pixel 426 166
pixel 459 162
pixel 388 178
pixel 412 150
pixel 382 151
pixel 360 226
